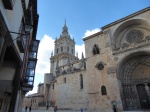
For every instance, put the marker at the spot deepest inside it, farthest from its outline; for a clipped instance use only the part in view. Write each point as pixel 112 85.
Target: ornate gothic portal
pixel 134 75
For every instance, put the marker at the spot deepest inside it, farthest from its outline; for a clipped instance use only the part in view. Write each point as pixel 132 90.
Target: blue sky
pixel 83 17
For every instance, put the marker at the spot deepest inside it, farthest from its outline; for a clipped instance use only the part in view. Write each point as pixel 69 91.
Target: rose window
pixel 135 36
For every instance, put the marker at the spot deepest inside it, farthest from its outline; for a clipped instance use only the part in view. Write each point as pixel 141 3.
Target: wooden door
pixel 144 101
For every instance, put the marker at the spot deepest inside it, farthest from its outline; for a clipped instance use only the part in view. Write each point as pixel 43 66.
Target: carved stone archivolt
pixel 147 37
pixel 132 82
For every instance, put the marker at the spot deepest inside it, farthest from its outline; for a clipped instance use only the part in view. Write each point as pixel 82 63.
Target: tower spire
pixel 82 55
pixel 65 22
pixel 65 30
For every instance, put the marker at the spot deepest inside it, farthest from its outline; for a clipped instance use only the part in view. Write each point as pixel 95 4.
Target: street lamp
pixel 114 103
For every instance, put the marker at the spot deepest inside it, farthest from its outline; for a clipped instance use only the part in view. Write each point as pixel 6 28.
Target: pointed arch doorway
pixel 134 75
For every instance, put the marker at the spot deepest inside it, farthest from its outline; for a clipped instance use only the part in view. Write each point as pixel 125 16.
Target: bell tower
pixel 64 50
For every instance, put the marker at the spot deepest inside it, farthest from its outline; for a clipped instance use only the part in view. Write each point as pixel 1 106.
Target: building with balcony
pixel 18 51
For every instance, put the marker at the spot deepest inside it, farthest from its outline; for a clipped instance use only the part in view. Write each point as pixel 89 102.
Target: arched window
pixel 61 49
pixel 53 86
pixel 65 80
pixel 103 90
pixel 57 50
pixel 95 49
pixel 81 81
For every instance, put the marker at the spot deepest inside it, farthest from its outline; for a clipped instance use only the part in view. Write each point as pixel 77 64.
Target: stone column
pixel 147 90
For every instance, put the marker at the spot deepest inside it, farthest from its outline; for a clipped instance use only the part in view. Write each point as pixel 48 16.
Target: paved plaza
pixel 49 111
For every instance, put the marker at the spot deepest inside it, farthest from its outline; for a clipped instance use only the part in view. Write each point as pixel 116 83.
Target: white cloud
pixel 32 92
pixel 39 78
pixel 46 46
pixel 79 49
pixel 91 32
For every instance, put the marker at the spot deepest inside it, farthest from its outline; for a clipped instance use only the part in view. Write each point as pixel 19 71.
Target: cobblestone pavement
pixel 49 111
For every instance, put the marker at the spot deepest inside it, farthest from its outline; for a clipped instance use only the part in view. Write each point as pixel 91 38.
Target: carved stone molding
pixel 111 70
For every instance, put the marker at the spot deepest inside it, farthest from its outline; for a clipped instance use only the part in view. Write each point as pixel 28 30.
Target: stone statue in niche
pixel 58 71
pixel 70 69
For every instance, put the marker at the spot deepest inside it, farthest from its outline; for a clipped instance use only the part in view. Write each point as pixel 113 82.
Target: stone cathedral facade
pixel 114 74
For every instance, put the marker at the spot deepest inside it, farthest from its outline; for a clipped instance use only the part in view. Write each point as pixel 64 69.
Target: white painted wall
pixel 7 71
pixel 13 19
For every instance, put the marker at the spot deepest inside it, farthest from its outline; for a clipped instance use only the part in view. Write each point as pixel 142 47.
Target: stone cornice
pixel 62 38
pixel 96 34
pixel 62 54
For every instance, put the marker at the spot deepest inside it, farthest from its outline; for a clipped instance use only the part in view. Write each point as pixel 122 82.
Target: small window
pixel 61 49
pixel 95 49
pixel 103 90
pixel 72 51
pixel 81 81
pixel 57 51
pixel 64 80
pixel 68 49
pixel 100 66
pixel 53 86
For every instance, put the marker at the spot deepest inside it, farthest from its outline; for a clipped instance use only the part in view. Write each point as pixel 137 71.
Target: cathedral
pixel 114 75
